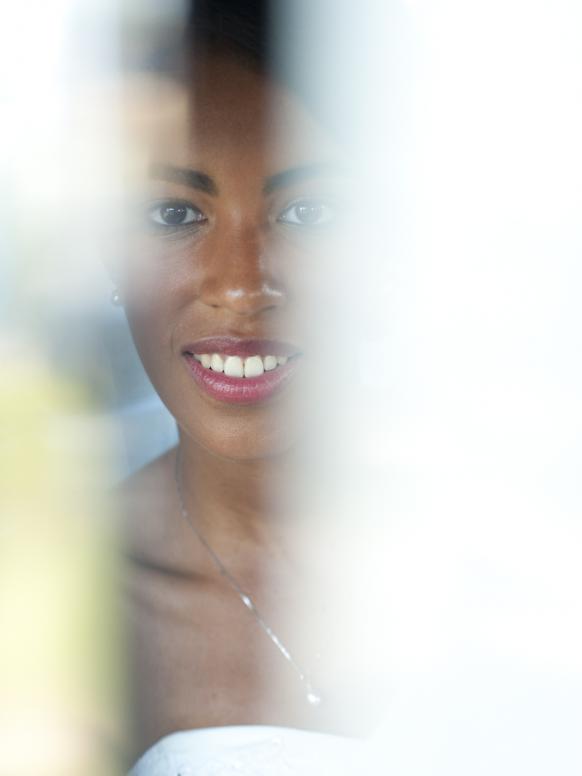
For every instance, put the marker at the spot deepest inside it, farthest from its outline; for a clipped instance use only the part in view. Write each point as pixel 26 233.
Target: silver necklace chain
pixel 312 697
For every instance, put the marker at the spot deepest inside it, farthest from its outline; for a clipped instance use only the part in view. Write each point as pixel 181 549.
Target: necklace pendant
pixel 313 698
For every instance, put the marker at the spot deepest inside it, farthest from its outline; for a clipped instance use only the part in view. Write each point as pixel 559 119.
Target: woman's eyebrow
pixel 184 175
pixel 295 174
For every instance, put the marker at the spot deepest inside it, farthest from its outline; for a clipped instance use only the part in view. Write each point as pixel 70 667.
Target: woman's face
pixel 221 283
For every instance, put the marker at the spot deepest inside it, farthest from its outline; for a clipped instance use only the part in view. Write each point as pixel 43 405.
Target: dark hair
pixel 242 27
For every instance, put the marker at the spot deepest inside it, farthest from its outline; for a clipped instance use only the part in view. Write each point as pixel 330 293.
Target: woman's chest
pixel 200 659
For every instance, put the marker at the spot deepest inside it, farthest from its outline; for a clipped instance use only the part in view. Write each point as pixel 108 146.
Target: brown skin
pixel 199 658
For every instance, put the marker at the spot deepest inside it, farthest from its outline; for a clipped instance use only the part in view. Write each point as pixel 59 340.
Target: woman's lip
pixel 234 346
pixel 240 390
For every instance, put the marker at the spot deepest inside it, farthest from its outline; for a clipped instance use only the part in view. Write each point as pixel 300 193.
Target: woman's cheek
pixel 151 313
pixel 150 331
pixel 155 272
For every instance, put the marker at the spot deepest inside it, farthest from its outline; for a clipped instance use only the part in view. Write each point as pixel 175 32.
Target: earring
pixel 116 298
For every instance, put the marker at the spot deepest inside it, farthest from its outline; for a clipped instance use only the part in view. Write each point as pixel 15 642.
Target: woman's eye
pixel 307 213
pixel 175 214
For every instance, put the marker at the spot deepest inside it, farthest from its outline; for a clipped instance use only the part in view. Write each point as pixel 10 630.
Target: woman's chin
pixel 246 433
pixel 249 444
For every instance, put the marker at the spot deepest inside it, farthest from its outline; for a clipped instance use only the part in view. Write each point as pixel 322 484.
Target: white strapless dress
pixel 253 750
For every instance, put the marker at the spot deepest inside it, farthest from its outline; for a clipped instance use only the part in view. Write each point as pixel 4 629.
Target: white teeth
pixel 233 366
pixel 216 363
pixel 254 366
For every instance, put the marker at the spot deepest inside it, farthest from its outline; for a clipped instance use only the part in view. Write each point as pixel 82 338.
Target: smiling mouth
pixel 241 371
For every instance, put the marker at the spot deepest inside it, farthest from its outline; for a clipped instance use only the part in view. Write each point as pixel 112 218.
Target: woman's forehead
pixel 229 121
pixel 235 108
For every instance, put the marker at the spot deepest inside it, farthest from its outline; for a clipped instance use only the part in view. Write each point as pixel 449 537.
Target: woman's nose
pixel 239 278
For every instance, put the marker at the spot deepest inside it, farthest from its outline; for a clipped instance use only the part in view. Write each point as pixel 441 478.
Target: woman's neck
pixel 240 501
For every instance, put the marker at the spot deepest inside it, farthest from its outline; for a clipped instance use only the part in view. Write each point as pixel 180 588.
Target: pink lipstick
pixel 241 371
